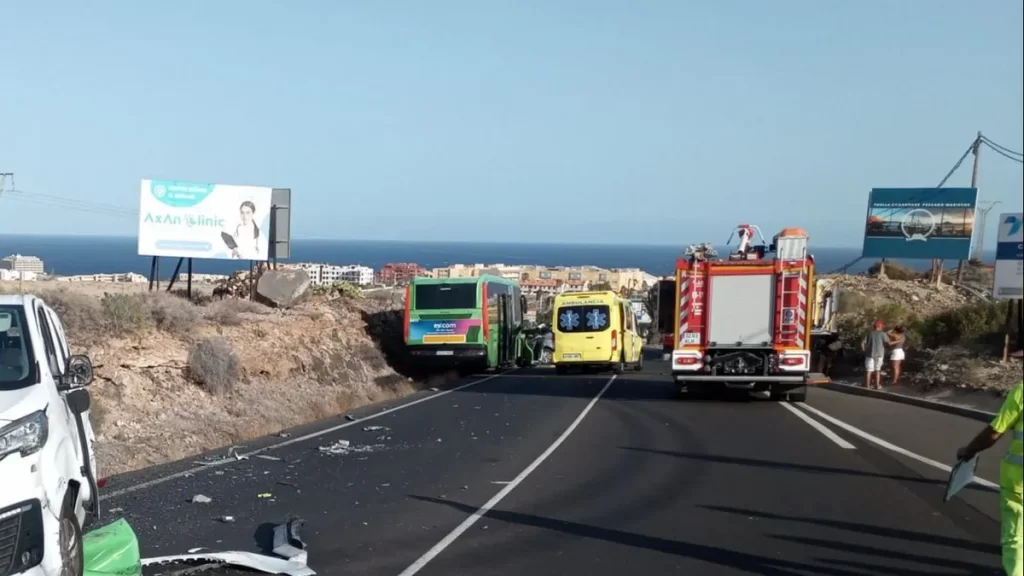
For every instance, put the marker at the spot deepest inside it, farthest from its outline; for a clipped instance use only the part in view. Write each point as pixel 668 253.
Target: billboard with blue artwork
pixel 920 223
pixel 198 220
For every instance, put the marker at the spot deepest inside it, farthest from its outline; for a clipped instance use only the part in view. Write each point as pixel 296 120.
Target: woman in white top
pixel 898 342
pixel 244 239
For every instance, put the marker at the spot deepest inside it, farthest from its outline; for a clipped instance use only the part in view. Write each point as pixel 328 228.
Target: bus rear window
pixel 445 296
pixel 591 318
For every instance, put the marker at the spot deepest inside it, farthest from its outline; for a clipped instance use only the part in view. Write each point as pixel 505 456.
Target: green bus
pixel 468 324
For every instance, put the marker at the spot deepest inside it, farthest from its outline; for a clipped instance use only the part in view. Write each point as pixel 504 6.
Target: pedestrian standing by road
pixel 898 341
pixel 1011 474
pixel 873 346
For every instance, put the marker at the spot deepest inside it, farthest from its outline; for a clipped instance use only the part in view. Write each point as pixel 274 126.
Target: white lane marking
pixel 290 441
pixel 820 428
pixel 483 510
pixel 890 446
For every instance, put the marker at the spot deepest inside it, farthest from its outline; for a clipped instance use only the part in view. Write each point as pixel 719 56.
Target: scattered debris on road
pixel 342 447
pixel 201 499
pixel 375 428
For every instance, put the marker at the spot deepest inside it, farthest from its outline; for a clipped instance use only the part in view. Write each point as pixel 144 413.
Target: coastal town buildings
pixel 326 274
pixel 400 273
pixel 555 279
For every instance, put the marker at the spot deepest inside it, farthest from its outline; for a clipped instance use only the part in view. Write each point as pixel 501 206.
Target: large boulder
pixel 282 288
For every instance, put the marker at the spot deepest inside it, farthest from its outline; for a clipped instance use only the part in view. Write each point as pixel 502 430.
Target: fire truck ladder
pixel 787 299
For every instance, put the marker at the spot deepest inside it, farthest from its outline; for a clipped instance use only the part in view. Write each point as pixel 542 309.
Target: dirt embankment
pixel 175 378
pixel 955 335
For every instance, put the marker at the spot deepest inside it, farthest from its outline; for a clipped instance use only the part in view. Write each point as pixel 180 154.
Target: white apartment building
pixel 19 263
pixel 327 274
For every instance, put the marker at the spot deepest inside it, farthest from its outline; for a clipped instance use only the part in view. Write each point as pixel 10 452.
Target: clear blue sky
pixel 594 121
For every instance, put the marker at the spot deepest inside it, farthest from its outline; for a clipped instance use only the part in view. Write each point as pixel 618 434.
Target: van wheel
pixel 70 540
pixel 639 363
pixel 561 369
pixel 620 366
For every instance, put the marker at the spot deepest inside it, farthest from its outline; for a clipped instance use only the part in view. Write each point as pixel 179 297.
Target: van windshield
pixel 16 367
pixel 445 296
pixel 589 318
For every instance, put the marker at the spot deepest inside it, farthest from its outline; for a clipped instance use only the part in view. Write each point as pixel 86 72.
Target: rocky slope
pixel 955 334
pixel 175 378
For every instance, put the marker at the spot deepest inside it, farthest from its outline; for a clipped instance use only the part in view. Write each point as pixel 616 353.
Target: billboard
pixel 196 220
pixel 1009 281
pixel 920 223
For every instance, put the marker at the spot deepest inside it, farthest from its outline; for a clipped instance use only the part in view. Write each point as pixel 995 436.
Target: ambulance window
pixel 577 319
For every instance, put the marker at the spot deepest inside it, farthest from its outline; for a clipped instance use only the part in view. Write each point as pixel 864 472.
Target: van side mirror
pixel 77 374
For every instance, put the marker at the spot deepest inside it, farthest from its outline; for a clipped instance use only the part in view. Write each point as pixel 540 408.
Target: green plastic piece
pixel 112 550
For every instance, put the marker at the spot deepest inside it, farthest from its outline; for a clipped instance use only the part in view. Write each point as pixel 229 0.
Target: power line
pixel 50 200
pixel 1000 148
pixel 1005 154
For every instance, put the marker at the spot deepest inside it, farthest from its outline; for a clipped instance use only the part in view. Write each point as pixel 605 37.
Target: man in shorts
pixel 874 355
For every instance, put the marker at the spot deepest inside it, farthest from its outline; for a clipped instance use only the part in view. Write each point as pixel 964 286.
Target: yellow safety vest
pixel 1012 407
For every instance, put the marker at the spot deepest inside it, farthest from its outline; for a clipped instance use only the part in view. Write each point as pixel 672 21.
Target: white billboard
pixel 196 220
pixel 1009 278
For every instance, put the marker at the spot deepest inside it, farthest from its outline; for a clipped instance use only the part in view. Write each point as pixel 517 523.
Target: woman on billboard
pixel 244 238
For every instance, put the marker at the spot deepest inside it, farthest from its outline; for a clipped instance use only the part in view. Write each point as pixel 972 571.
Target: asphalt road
pixel 529 473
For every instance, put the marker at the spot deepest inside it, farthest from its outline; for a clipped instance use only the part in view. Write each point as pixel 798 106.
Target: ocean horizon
pixel 84 254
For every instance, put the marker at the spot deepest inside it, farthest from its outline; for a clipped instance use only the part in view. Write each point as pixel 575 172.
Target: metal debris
pixel 375 428
pixel 258 562
pixel 226 519
pixel 342 447
pixel 201 499
pixel 268 457
pixel 287 543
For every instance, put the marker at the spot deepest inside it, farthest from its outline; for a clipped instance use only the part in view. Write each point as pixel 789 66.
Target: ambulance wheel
pixel 639 363
pixel 69 539
pixel 620 366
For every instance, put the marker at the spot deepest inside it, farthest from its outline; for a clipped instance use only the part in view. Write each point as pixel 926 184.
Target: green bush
pixel 972 323
pixel 342 289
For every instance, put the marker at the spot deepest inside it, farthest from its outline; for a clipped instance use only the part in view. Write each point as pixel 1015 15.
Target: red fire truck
pixel 744 321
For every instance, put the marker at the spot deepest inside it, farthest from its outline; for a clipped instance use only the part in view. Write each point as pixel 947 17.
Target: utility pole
pixel 974 184
pixel 4 177
pixel 980 220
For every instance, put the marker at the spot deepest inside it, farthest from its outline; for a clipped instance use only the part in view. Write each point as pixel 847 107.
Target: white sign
pixel 195 220
pixel 1009 277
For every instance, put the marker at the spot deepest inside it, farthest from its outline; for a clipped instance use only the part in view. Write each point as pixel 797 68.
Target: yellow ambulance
pixel 595 330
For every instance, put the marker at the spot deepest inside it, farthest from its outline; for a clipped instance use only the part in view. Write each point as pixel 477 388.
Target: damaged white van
pixel 48 486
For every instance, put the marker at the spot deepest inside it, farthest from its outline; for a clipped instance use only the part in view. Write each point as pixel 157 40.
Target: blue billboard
pixel 920 223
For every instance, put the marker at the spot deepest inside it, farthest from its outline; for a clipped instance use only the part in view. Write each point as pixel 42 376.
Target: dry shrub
pixel 171 313
pixel 125 314
pixel 229 312
pixel 81 315
pixel 198 298
pixel 213 364
pixel 895 271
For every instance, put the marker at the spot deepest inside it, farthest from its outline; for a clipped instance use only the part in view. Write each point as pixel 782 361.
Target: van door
pixel 583 331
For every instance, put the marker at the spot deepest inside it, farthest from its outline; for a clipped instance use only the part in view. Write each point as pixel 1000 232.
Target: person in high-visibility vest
pixel 1011 474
